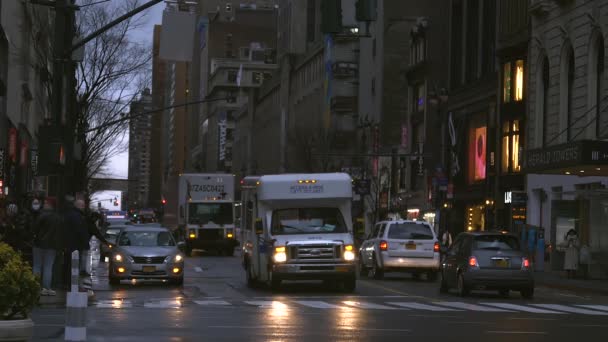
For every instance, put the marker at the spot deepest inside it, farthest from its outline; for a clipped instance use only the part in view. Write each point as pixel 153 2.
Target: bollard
pixel 75 320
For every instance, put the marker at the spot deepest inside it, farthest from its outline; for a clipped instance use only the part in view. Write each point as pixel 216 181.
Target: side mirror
pixel 181 246
pixel 259 226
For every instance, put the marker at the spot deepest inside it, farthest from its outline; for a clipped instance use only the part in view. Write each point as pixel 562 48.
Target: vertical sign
pixel 221 126
pixel 12 144
pixel 2 153
pixel 23 160
pixel 34 162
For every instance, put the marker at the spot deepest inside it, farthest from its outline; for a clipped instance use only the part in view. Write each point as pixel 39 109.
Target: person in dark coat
pixel 48 240
pixel 77 237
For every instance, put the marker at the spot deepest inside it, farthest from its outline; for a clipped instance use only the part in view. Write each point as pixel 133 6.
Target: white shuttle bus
pixel 298 227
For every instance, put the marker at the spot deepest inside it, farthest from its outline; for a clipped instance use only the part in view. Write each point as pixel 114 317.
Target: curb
pixel 573 288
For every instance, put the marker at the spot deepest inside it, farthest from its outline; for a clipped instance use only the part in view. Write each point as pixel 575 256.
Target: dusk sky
pixel 119 164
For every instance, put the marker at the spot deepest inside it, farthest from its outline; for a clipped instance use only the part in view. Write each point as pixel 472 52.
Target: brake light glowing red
pixel 526 263
pixel 436 247
pixel 383 245
pixel 473 262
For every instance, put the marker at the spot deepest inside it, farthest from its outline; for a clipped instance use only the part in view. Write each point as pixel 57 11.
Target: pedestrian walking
pixel 571 258
pixel 446 242
pixel 48 240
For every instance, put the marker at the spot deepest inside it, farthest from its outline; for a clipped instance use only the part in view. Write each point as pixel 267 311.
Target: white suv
pixel 402 246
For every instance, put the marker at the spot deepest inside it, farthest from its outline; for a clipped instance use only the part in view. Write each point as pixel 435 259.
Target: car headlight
pixel 349 253
pixel 179 258
pixel 118 257
pixel 279 254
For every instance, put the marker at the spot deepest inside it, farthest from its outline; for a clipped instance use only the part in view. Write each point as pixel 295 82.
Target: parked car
pixel 487 261
pixel 144 252
pixel 403 246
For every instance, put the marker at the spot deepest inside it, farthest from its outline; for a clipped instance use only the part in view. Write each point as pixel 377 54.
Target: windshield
pixel 496 242
pixel 307 221
pixel 146 239
pixel 111 234
pixel 203 213
pixel 410 231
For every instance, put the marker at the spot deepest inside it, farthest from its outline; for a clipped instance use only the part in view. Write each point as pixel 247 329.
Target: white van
pixel 298 227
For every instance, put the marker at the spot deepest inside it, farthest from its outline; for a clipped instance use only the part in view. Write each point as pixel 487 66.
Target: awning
pixel 582 158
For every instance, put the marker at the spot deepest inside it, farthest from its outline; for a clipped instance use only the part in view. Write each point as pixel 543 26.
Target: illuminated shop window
pixel 519 80
pixel 510 159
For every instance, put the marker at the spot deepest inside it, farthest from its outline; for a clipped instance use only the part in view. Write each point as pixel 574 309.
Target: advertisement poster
pixel 480 153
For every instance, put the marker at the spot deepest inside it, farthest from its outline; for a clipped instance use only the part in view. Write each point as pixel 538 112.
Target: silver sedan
pixel 146 253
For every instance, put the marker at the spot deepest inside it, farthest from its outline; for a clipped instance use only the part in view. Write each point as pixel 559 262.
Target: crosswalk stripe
pixel 317 304
pixel 521 308
pixel 364 305
pixel 212 302
pixel 266 303
pixel 571 309
pixel 420 306
pixel 470 307
pixel 164 304
pixel 595 307
pixel 114 304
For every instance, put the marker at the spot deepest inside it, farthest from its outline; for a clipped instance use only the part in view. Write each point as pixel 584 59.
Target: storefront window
pixel 506 85
pixel 519 80
pixel 475 218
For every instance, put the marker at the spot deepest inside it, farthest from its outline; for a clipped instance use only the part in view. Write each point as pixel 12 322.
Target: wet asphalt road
pixel 215 305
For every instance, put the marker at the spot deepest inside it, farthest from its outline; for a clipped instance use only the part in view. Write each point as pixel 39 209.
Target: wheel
pixel 504 293
pixel 275 283
pixel 376 272
pixel 463 290
pixel 527 293
pixel 350 284
pixel 363 270
pixel 443 287
pixel 431 276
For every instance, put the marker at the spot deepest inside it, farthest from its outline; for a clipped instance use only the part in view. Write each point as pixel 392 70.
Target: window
pixel 374 48
pixel 307 221
pixel 310 20
pixel 510 160
pixel 228 7
pixel 519 80
pixel 410 231
pixel 374 86
pixel 203 213
pixel 496 243
pixel 257 77
pixel 232 76
pixel 599 85
pixel 570 92
pixel 506 83
pixel 545 103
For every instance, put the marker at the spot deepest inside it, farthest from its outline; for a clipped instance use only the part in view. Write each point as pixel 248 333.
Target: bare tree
pixel 112 73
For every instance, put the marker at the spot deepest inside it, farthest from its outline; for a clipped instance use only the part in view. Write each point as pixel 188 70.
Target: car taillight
pixel 436 247
pixel 473 262
pixel 525 263
pixel 383 245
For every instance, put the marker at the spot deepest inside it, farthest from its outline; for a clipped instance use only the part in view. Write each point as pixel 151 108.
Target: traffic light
pixel 331 16
pixel 52 150
pixel 164 201
pixel 366 10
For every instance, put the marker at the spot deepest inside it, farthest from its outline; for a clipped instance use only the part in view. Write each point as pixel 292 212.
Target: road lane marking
pixel 198 269
pixel 420 306
pixel 317 304
pixel 522 308
pixel 470 307
pixel 273 304
pixel 595 307
pixel 114 304
pixel 164 304
pixel 212 302
pixel 516 332
pixel 363 305
pixel 565 308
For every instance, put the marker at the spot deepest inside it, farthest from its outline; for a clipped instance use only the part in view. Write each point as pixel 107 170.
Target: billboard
pixel 477 155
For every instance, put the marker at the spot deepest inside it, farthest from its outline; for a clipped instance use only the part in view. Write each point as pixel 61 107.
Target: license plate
pixel 501 263
pixel 342 269
pixel 410 246
pixel 149 269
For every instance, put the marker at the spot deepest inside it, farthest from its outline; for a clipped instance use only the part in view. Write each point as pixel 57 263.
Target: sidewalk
pixel 558 280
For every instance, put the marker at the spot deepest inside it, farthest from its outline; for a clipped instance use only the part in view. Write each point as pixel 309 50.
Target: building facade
pixel 24 100
pixel 567 127
pixel 157 149
pixel 140 152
